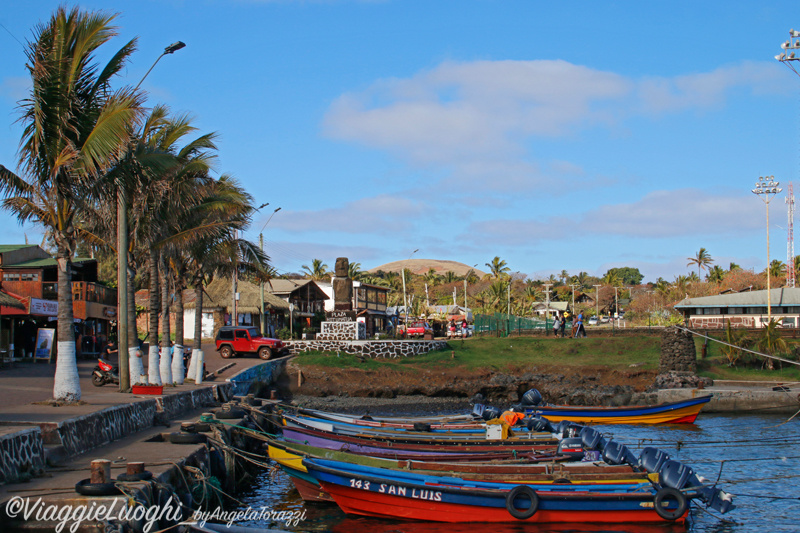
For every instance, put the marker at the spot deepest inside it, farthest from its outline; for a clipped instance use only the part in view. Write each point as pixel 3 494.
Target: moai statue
pixel 342 286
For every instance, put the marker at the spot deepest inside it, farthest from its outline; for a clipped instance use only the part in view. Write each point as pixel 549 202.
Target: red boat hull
pixel 359 502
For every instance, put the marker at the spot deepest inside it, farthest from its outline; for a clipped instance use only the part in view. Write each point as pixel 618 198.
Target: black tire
pixel 142 476
pixel 226 352
pixel 85 488
pixel 230 414
pixel 522 514
pixel 186 438
pixel 265 353
pixel 669 494
pixel 98 381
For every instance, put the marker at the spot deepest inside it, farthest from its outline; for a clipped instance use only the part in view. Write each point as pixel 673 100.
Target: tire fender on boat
pixel 522 514
pixel 669 494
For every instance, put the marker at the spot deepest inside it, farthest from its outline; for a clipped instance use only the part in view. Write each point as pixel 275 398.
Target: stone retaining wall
pixel 677 351
pixel 21 453
pixel 342 331
pixel 390 349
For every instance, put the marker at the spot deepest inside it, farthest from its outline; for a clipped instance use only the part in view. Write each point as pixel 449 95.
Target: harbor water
pixel 754 457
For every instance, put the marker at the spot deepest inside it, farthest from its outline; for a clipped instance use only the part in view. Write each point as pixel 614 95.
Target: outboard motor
pixel 572 431
pixel 617 454
pixel 532 398
pixel 571 447
pixel 477 410
pixel 491 412
pixel 592 439
pixel 562 426
pixel 536 423
pixel 651 459
pixel 679 476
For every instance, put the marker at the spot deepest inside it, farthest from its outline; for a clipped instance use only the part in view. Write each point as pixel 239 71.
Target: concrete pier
pixel 741 397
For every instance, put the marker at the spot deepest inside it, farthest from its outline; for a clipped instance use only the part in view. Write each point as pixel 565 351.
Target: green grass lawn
pixel 492 353
pixel 500 353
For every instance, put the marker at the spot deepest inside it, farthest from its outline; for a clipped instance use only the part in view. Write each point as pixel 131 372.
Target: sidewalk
pixel 28 382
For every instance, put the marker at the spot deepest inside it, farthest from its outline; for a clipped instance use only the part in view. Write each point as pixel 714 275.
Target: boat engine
pixel 592 439
pixel 615 453
pixel 571 447
pixel 537 423
pixel 477 410
pixel 652 459
pixel 490 412
pixel 532 398
pixel 679 476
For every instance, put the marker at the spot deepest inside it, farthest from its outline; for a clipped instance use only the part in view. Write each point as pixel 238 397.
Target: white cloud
pixel 476 119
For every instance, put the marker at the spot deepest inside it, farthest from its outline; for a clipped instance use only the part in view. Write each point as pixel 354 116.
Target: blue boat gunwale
pixel 410 478
pixel 637 410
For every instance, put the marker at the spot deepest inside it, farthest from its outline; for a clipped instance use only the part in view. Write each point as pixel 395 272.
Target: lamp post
pixel 123 339
pixel 766 188
pixel 573 297
pixel 261 243
pixel 405 304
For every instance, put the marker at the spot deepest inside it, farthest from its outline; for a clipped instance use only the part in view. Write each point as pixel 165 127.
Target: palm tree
pixel 715 274
pixel 777 268
pixel 75 127
pixel 498 267
pixel 702 260
pixel 771 342
pixel 450 277
pixel 432 277
pixel 733 266
pixel 354 271
pixel 318 270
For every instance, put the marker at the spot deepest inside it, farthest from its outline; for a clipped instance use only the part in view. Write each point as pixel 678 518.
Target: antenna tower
pixel 790 273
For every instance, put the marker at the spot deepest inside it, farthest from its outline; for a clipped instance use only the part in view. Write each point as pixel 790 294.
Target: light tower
pixel 790 273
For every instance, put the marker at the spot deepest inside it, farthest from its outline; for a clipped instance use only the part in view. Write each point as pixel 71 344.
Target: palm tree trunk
pixel 135 354
pixel 197 350
pixel 153 372
pixel 166 361
pixel 66 386
pixel 178 370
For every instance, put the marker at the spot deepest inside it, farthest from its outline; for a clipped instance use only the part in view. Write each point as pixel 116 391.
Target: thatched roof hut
pixel 219 294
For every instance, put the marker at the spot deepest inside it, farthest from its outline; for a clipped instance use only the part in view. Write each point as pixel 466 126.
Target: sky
pixel 572 135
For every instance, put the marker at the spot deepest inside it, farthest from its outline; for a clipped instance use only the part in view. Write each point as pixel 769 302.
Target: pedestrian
pixel 452 328
pixel 556 325
pixel 580 331
pixel 563 325
pixel 464 328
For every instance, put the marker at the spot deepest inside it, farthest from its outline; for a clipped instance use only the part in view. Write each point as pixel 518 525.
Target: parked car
pixel 418 329
pixel 235 340
pixel 593 321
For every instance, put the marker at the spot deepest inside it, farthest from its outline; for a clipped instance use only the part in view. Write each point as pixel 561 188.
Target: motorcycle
pixel 104 373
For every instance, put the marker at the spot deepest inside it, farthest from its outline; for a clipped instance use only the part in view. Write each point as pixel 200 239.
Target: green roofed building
pixel 743 309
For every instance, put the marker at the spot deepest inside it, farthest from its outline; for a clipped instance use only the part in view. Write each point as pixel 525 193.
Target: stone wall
pixel 342 331
pixel 678 352
pixel 390 349
pixel 21 454
pixel 720 322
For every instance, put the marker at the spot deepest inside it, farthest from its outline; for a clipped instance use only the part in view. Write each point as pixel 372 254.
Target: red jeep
pixel 232 341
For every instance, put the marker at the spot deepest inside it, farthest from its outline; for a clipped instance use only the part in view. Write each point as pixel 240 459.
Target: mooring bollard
pixel 134 468
pixel 100 471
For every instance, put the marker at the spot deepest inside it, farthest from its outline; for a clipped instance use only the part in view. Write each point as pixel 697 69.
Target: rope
pixel 739 347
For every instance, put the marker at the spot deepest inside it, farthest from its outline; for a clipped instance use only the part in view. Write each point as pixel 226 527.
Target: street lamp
pixel 766 188
pixel 789 47
pixel 405 304
pixel 126 351
pixel 261 243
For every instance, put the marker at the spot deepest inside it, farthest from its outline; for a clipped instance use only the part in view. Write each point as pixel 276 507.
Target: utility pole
pixel 573 298
pixel 547 305
pixel 597 300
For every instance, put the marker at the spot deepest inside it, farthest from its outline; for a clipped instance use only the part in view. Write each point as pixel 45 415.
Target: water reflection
pixel 754 457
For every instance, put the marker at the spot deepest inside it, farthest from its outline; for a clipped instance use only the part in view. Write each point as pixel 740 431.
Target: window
pixel 225 334
pixel 711 311
pixel 241 334
pixel 8 276
pixel 29 276
pixel 736 310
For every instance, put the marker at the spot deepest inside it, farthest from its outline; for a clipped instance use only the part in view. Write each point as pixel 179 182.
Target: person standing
pixel 580 332
pixel 556 325
pixel 563 325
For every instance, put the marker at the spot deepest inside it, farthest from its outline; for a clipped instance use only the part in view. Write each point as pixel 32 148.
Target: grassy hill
pixel 422 266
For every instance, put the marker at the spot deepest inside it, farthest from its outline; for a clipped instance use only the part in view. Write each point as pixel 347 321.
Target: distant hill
pixel 422 266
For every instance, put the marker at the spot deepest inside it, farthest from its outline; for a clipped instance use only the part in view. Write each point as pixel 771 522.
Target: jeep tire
pixel 226 352
pixel 265 352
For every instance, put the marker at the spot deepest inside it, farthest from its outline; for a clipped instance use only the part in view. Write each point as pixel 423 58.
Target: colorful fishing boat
pixel 377 492
pixel 681 412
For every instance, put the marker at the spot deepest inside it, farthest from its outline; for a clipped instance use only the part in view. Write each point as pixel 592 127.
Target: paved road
pixel 28 382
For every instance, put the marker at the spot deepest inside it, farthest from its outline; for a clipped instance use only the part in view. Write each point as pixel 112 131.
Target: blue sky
pixel 556 135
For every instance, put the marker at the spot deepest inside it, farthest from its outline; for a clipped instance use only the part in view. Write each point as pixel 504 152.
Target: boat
pixel 680 412
pixel 379 492
pixel 545 469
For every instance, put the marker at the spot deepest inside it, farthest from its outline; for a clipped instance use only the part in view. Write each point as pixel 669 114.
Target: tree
pixel 715 274
pixel 627 275
pixel 702 260
pixel 498 267
pixel 75 127
pixel 354 270
pixel 777 268
pixel 771 342
pixel 318 270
